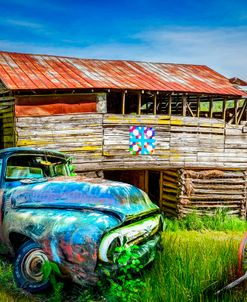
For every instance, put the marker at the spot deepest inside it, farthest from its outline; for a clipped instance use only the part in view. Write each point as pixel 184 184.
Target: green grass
pixel 193 266
pixel 218 105
pixel 218 222
pixel 8 291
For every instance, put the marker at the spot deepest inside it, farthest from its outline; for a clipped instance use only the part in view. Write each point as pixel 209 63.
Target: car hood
pixel 120 199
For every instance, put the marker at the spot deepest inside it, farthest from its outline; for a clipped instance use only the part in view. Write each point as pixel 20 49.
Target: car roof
pixel 26 150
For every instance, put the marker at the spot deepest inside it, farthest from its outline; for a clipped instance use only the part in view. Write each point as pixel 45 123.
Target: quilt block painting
pixel 142 140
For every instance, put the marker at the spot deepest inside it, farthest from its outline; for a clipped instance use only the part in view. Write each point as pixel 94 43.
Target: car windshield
pixel 35 166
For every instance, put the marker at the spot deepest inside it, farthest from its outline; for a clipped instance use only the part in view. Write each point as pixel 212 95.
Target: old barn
pixel 176 131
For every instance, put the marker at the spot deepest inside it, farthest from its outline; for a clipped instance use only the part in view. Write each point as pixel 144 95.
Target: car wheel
pixel 242 256
pixel 28 267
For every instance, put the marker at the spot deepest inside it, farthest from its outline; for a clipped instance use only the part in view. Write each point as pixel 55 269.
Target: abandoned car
pixel 49 216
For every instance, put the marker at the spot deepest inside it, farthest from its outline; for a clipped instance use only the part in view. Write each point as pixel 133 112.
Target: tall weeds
pixel 192 267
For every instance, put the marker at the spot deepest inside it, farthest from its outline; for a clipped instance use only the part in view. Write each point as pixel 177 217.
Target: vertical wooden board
pixel 170 183
pixel 7 121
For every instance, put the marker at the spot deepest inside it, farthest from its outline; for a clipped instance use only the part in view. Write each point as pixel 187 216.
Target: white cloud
pixel 28 26
pixel 22 23
pixel 223 49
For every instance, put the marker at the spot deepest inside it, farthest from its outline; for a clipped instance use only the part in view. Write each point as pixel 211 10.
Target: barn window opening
pixel 114 102
pixel 193 104
pixel 162 106
pixel 177 104
pixel 131 103
pixel 147 103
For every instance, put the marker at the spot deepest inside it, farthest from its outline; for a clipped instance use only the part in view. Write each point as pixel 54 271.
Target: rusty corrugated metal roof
pixel 28 71
pixel 237 81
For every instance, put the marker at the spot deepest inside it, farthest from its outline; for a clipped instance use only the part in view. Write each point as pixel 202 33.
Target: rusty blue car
pixel 49 216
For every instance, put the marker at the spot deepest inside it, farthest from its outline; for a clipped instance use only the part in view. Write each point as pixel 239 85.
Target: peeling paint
pixel 74 218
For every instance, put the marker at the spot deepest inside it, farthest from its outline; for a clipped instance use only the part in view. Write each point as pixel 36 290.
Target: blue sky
pixel 212 33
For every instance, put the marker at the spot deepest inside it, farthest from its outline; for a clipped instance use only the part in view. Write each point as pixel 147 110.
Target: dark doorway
pixel 133 177
pixel 154 186
pixel 146 180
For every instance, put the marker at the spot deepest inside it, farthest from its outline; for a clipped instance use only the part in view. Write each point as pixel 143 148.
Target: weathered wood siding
pixel 79 135
pixel 170 192
pixel 204 191
pixel 7 121
pixel 180 142
pixel 101 141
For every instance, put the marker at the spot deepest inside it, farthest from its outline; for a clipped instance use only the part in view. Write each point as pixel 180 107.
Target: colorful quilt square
pixel 142 140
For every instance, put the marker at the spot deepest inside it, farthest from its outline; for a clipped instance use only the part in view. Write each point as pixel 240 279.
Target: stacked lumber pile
pixel 204 191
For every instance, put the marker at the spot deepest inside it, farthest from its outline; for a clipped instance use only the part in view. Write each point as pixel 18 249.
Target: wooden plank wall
pixel 79 135
pixel 180 142
pixel 205 191
pixel 170 192
pixel 7 120
pixel 101 141
pixel 116 141
pixel 236 146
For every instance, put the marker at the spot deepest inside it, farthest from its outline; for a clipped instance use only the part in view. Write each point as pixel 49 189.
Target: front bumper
pixel 146 254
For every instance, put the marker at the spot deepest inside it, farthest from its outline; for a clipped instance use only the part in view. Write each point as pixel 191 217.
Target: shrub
pixel 125 286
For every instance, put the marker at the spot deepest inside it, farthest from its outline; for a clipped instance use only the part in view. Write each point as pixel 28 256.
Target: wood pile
pixel 204 191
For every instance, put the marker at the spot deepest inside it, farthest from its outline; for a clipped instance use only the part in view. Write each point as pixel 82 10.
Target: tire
pixel 242 256
pixel 28 268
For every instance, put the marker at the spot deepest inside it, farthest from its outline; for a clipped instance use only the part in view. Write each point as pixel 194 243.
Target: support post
pixel 161 189
pixel 189 109
pixel 170 105
pixel 146 181
pixel 184 99
pixel 123 102
pixel 155 104
pixel 243 109
pixel 198 106
pixel 211 102
pixel 139 103
pixel 224 109
pixel 236 103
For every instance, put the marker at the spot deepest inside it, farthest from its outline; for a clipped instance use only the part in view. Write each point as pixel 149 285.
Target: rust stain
pixel 73 221
pixel 27 71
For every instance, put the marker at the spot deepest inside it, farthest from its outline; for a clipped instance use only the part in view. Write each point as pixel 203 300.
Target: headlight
pixel 129 235
pixel 108 246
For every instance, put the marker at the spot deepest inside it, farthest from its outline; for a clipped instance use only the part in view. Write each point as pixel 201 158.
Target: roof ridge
pixel 18 71
pixel 96 59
